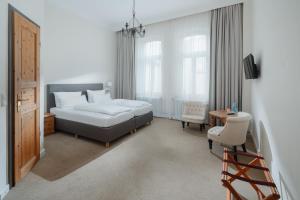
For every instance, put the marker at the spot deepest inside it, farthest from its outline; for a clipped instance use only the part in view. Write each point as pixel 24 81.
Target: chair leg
pixel 202 127
pixel 210 142
pixel 244 147
pixel 183 124
pixel 235 150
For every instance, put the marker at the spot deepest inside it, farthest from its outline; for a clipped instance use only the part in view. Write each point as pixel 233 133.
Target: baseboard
pixel 42 153
pixel 250 134
pixel 4 191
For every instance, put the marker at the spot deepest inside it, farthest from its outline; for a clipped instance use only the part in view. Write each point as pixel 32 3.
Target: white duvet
pixel 109 109
pixel 130 103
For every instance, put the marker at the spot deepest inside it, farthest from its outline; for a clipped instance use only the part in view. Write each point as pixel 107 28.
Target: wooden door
pixel 26 75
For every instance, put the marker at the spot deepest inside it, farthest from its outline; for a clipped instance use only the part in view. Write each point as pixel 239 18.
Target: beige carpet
pixel 161 161
pixel 65 154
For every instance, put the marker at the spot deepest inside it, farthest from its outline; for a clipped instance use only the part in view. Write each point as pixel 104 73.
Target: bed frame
pixel 103 134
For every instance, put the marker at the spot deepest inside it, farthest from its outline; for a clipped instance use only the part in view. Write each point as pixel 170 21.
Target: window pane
pixel 194 44
pixel 148 79
pixel 201 69
pixel 153 48
pixel 157 77
pixel 201 66
pixel 195 69
pixel 148 70
pixel 187 75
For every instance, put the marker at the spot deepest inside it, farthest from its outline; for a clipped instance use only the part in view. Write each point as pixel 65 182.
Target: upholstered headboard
pixel 68 88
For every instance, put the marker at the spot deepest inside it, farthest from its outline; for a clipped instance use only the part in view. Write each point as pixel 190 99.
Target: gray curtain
pixel 226 76
pixel 125 70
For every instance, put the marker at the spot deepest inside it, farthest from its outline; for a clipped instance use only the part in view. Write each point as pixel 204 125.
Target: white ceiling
pixel 114 13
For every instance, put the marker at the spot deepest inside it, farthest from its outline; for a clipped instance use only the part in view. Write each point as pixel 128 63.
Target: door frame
pixel 10 113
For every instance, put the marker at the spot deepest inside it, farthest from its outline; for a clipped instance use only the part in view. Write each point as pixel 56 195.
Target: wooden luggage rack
pixel 257 163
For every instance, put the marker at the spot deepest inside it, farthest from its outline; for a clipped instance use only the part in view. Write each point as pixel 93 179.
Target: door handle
pixel 19 103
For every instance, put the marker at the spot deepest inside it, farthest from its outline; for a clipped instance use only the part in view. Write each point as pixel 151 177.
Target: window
pixel 149 66
pixel 172 64
pixel 194 67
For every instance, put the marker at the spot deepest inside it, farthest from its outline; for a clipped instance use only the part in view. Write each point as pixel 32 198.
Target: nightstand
pixel 49 124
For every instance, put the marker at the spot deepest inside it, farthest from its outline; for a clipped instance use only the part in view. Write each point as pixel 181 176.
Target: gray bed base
pixel 143 119
pixel 103 134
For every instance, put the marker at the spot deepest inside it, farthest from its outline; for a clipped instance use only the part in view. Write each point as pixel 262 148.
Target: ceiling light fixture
pixel 137 28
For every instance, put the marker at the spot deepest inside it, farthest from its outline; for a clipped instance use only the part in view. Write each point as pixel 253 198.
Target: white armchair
pixel 233 133
pixel 194 112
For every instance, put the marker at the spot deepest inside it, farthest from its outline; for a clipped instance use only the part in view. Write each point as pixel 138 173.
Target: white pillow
pixel 70 103
pixel 102 98
pixel 69 99
pixel 59 96
pixel 92 93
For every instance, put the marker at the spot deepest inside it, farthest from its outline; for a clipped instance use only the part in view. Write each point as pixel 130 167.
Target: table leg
pixel 212 121
pixel 223 121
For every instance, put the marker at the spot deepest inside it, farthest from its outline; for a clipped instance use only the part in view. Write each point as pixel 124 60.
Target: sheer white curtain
pixel 172 64
pixel 149 72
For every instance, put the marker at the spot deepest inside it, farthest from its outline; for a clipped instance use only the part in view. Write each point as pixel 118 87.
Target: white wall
pixel 273 31
pixel 76 50
pixel 34 9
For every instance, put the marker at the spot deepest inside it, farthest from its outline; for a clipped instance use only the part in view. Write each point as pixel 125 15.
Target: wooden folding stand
pixel 257 163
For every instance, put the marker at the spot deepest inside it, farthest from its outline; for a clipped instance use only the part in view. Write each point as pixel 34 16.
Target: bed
pixel 95 126
pixel 143 115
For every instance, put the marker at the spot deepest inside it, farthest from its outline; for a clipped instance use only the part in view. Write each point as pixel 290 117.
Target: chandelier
pixel 134 27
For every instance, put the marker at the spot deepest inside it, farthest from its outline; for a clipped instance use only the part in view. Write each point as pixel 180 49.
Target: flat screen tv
pixel 251 71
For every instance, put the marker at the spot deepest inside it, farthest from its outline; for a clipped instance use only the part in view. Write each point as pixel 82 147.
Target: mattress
pixel 91 118
pixel 141 111
pixel 109 109
pixel 137 110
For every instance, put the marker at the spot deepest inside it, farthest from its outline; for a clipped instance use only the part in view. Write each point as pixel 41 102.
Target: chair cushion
pixel 214 133
pixel 193 118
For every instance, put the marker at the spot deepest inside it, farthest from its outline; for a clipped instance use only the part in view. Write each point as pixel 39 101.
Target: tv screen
pixel 251 71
